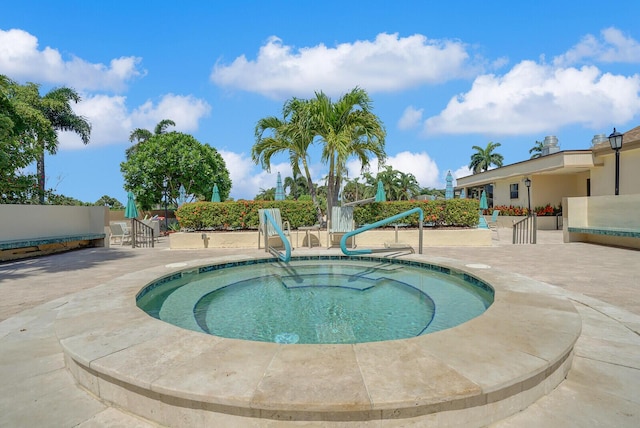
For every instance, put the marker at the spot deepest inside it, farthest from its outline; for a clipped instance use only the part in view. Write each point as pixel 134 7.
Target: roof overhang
pixel 560 163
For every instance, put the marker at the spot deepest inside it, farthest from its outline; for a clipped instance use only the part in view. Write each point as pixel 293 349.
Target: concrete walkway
pixel 602 389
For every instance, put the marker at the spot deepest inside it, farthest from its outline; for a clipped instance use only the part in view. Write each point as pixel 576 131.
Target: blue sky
pixel 443 77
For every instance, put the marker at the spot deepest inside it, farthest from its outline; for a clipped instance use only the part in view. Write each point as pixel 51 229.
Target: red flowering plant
pixel 548 210
pixel 510 210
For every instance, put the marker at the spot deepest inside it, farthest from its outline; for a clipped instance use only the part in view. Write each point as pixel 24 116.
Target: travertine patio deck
pixel 603 387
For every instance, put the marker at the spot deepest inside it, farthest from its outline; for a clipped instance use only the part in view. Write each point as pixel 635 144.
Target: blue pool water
pixel 320 300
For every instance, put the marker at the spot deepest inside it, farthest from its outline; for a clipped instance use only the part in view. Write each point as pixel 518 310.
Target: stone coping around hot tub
pixel 485 369
pixel 432 237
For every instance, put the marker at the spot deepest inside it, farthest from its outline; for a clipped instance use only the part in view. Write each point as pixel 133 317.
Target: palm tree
pixel 56 107
pixel 297 186
pixel 140 135
pixel 355 191
pixel 290 135
pixel 398 185
pixel 409 186
pixel 347 128
pixel 536 150
pixel 484 158
pixel 266 194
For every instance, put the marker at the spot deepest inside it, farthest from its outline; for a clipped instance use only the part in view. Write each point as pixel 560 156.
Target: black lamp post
pixel 165 184
pixel 527 182
pixel 615 139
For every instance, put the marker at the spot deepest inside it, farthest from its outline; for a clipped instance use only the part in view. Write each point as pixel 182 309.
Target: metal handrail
pixel 525 230
pixel 287 246
pixel 559 224
pixel 360 202
pixel 142 235
pixel 346 236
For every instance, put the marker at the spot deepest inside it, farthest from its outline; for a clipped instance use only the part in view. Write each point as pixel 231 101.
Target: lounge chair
pixel 341 222
pixel 493 223
pixel 285 227
pixel 119 233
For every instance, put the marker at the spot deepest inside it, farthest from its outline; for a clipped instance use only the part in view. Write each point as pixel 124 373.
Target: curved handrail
pixel 346 236
pixel 287 246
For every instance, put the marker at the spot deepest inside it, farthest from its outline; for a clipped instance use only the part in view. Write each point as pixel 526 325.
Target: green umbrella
pixel 131 210
pixel 279 189
pixel 448 191
pixel 483 201
pixel 380 195
pixel 215 196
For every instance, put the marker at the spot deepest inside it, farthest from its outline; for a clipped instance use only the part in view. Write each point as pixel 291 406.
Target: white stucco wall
pixel 608 211
pixel 603 179
pixel 41 221
pixel 550 189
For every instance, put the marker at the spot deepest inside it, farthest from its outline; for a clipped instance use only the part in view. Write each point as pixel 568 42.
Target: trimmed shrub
pixel 241 214
pixel 238 215
pixel 439 213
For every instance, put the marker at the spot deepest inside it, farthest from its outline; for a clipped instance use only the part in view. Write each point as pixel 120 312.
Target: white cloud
pixel 109 119
pixel 411 118
pixel 185 110
pixel 247 178
pixel 112 122
pixel 463 171
pixel 419 164
pixel 21 59
pixel 388 63
pixel 534 98
pixel 612 46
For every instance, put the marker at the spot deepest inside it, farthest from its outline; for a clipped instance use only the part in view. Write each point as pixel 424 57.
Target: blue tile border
pixel 34 242
pixel 608 231
pixel 466 277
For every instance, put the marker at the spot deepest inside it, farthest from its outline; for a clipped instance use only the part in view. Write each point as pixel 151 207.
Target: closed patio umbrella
pixel 279 189
pixel 182 195
pixel 483 206
pixel 448 191
pixel 215 195
pixel 131 211
pixel 483 201
pixel 463 195
pixel 380 194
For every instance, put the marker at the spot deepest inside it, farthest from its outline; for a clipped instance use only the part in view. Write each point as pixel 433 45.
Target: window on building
pixel 514 191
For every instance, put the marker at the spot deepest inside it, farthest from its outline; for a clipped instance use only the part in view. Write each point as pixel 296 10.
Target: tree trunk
pixel 40 172
pixel 330 188
pixel 312 191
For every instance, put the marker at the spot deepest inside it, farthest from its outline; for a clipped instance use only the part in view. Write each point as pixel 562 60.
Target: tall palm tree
pixel 484 158
pixel 56 107
pixel 290 135
pixel 536 150
pixel 347 128
pixel 140 135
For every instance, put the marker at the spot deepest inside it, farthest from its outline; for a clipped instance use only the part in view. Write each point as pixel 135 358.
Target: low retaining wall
pixel 373 238
pixel 610 220
pixel 543 222
pixel 31 230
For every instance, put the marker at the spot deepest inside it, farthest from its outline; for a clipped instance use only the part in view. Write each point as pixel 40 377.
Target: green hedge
pixel 241 214
pixel 244 214
pixel 451 212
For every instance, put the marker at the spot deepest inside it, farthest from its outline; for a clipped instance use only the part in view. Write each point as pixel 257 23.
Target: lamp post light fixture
pixel 615 140
pixel 527 182
pixel 165 185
